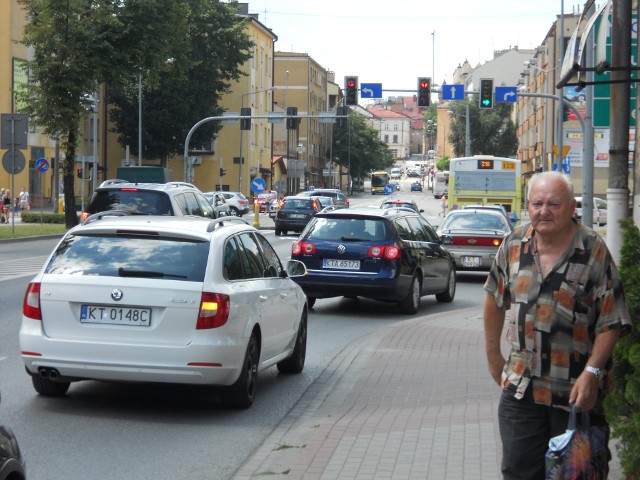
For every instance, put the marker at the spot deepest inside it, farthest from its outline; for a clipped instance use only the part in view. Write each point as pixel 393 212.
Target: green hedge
pixel 34 217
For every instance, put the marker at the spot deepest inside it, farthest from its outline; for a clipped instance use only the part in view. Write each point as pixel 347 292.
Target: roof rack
pixel 179 184
pixel 213 224
pixel 113 181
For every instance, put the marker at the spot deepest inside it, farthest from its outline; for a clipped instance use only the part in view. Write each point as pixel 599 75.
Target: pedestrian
pixel 561 287
pixel 24 199
pixel 443 205
pixel 6 205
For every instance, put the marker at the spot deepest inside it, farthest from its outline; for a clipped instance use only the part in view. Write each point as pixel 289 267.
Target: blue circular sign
pixel 389 189
pixel 42 165
pixel 258 185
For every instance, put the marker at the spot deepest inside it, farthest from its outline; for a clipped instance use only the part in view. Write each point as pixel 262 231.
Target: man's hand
pixel 496 365
pixel 584 393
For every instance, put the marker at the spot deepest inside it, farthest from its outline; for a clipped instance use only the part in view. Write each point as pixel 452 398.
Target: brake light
pixel 388 252
pixel 214 311
pixel 129 189
pixel 303 248
pixel 31 302
pixel 84 216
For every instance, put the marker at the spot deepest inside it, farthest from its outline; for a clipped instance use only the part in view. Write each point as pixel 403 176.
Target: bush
pixel 623 406
pixel 34 217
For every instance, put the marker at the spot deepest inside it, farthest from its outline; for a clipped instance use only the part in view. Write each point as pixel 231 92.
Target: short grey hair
pixel 550 176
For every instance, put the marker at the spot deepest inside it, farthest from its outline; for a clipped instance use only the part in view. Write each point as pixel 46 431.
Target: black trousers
pixel 525 430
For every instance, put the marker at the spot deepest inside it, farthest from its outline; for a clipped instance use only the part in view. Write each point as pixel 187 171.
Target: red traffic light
pixel 424 84
pixel 351 83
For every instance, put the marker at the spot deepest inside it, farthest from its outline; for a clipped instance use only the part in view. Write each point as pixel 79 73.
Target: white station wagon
pixel 182 300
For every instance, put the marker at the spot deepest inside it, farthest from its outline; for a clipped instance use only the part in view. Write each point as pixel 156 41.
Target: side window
pixel 252 262
pixel 274 267
pixel 403 229
pixel 418 229
pixel 193 206
pixel 182 203
pixel 204 206
pixel 232 261
pixel 432 236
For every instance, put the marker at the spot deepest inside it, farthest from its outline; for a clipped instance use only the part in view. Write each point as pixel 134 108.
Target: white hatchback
pixel 180 300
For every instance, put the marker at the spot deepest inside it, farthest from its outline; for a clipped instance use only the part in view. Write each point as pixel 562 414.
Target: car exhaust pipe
pixel 54 374
pixel 50 373
pixel 44 372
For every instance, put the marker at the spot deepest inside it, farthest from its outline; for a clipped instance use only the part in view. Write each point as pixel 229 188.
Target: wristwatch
pixel 596 371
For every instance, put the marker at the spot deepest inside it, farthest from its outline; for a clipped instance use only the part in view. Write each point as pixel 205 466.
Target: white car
pixel 238 203
pixel 599 210
pixel 163 299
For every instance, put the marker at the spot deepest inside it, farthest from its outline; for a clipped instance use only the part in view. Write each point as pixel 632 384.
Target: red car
pixel 265 197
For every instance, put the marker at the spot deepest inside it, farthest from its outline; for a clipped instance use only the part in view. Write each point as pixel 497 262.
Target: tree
pixel 359 146
pixel 189 87
pixel 78 45
pixel 492 132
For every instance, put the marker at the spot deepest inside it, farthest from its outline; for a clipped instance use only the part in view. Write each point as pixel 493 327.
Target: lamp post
pixel 467 130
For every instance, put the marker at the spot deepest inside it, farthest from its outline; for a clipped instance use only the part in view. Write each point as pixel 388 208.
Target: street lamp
pixel 467 130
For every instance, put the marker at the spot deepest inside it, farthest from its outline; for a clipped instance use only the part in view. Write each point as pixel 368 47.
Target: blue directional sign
pixel 42 165
pixel 453 92
pixel 370 90
pixel 389 189
pixel 566 165
pixel 506 94
pixel 258 185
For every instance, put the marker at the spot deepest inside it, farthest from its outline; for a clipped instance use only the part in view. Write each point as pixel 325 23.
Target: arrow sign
pixel 506 94
pixel 453 92
pixel 370 90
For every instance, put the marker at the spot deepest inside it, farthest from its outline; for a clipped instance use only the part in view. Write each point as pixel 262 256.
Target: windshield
pixel 344 229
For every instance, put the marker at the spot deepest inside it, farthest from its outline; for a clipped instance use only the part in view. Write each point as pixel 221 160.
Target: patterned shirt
pixel 553 321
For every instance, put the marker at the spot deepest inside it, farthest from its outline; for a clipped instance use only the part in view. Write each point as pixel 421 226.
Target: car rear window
pixel 365 229
pixel 296 204
pixel 130 256
pixel 136 202
pixel 474 221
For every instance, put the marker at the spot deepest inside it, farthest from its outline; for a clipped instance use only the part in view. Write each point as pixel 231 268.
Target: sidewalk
pixel 413 401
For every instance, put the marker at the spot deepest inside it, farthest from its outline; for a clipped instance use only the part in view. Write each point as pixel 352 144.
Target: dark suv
pixel 295 213
pixel 172 198
pixel 392 255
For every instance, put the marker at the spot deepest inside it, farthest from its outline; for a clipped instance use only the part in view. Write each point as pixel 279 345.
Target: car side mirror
pixel 296 268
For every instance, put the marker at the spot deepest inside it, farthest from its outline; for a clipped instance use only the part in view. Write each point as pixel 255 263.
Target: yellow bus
pixel 379 180
pixel 486 179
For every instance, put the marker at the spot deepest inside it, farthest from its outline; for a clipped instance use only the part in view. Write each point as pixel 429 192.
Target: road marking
pixel 21 267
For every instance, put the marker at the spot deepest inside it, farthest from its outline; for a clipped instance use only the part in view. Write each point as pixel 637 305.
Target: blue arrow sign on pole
pixel 258 185
pixel 506 94
pixel 370 90
pixel 453 92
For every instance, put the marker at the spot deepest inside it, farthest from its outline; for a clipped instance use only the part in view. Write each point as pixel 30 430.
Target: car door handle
pixel 263 298
pixel 283 295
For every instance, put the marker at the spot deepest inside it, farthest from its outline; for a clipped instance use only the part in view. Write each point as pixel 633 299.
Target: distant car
pixel 389 255
pixel 599 210
pixel 164 300
pixel 172 199
pixel 12 463
pixel 219 204
pixel 401 204
pixel 238 203
pixel 339 198
pixel 489 206
pixel 416 187
pixel 266 198
pixel 295 212
pixel 326 202
pixel 473 236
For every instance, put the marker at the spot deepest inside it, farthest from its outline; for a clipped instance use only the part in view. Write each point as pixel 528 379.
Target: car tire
pixel 278 232
pixel 448 295
pixel 242 393
pixel 233 211
pixel 411 302
pixel 295 363
pixel 311 301
pixel 47 387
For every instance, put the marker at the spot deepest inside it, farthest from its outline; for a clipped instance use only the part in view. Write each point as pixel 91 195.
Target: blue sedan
pixel 416 187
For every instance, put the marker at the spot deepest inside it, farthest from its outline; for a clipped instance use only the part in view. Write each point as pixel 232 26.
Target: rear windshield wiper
pixel 147 274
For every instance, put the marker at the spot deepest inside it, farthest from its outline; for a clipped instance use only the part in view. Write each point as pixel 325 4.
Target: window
pixel 232 263
pixel 274 268
pixel 403 229
pixel 395 139
pixel 252 262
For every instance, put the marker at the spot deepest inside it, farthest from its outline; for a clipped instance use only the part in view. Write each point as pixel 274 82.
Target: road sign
pixel 258 185
pixel 13 165
pixel 20 128
pixel 42 165
pixel 565 150
pixel 453 92
pixel 566 165
pixel 370 90
pixel 506 94
pixel 389 189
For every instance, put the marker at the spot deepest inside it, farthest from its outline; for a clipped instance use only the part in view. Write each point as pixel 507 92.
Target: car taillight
pixel 214 311
pixel 31 302
pixel 389 252
pixel 303 248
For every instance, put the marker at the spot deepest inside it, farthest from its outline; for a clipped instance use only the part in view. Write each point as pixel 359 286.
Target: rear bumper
pixel 323 285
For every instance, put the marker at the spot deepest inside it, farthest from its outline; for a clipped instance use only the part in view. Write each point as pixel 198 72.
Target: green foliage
pixel 443 164
pixel 35 217
pixel 189 87
pixel 623 405
pixel 492 132
pixel 359 146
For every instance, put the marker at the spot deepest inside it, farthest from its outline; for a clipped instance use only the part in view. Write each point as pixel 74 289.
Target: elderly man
pixel 561 287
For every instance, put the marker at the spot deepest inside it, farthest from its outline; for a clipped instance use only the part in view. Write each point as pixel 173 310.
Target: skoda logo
pixel 342 249
pixel 472 241
pixel 116 294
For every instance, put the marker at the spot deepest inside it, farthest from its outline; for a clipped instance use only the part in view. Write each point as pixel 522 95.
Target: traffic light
pixel 292 123
pixel 79 173
pixel 245 123
pixel 351 90
pixel 486 93
pixel 223 171
pixel 424 92
pixel 340 111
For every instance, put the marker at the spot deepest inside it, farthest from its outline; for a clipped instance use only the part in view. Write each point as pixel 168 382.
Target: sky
pixel 396 41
